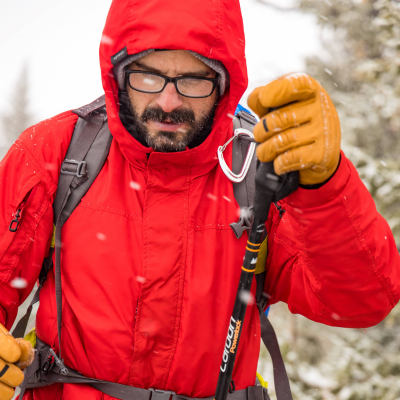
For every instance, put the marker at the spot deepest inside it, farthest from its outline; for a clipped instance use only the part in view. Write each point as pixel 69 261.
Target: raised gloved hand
pixel 303 133
pixel 15 355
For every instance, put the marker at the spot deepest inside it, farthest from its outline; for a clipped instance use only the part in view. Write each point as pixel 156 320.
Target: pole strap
pixel 281 380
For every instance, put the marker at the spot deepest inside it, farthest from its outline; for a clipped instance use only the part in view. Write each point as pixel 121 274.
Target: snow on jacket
pixel 149 276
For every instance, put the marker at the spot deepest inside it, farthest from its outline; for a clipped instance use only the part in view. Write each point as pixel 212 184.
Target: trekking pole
pixel 269 188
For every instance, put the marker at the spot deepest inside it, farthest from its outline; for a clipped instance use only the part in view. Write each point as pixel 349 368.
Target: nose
pixel 169 98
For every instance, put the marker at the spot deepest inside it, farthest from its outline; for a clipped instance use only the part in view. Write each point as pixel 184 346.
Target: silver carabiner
pixel 249 157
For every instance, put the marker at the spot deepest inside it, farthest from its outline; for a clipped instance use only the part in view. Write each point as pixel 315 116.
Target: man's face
pixel 168 120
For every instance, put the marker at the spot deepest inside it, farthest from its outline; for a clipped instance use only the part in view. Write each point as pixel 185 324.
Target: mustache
pixel 175 116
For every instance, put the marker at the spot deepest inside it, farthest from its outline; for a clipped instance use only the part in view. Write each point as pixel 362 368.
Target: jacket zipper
pixel 14 224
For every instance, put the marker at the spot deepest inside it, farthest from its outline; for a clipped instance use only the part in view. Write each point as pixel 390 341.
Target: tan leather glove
pixel 15 355
pixel 303 134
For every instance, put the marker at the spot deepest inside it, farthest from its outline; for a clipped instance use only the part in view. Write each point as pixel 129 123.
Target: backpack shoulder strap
pixel 244 191
pixel 86 155
pixel 90 141
pixel 87 149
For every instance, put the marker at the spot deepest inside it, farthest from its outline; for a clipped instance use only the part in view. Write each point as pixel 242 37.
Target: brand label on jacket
pixel 116 58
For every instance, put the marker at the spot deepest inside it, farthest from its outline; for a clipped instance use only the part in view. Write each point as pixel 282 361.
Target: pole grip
pixel 271 188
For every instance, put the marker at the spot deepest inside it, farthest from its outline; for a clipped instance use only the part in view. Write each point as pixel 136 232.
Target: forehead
pixel 174 60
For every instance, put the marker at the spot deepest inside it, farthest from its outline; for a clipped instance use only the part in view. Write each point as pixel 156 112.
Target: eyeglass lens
pixel 150 83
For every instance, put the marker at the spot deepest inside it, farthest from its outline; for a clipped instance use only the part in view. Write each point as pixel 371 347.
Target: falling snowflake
pixel 134 185
pixel 211 196
pixel 106 40
pixel 101 236
pixel 246 297
pixel 19 283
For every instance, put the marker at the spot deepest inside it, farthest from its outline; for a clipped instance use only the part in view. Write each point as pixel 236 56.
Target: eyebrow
pixel 142 65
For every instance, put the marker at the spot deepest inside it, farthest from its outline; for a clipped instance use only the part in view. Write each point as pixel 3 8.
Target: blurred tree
pixel 18 117
pixel 361 69
pixel 335 363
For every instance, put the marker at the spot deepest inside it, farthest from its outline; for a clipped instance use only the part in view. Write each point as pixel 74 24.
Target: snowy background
pixel 49 54
pixel 58 41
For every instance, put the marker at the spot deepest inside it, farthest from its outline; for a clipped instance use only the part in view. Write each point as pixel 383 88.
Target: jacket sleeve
pixel 332 257
pixel 28 182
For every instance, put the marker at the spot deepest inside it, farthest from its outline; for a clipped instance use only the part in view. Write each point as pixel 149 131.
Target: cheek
pixel 202 107
pixel 140 101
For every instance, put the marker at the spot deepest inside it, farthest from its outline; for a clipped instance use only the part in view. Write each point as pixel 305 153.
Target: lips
pixel 168 126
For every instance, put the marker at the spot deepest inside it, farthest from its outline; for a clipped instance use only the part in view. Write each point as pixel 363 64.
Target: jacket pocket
pixel 23 218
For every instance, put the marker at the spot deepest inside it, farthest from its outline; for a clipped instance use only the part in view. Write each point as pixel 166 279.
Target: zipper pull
pixel 14 224
pixel 280 209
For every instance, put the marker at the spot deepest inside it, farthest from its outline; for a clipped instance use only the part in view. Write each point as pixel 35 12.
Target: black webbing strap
pixel 66 184
pixel 20 328
pixel 247 121
pixel 30 373
pixel 281 380
pixel 244 191
pixel 257 393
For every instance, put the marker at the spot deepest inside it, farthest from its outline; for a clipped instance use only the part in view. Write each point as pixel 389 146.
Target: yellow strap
pixel 262 257
pixel 31 337
pixel 53 239
pixel 263 383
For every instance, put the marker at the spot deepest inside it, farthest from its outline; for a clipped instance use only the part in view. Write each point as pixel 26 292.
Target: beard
pixel 167 141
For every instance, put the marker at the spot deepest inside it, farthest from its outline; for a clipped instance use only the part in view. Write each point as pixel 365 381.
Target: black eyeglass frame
pixel 167 80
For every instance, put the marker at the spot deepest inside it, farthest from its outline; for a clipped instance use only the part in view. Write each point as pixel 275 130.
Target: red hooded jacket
pixel 149 276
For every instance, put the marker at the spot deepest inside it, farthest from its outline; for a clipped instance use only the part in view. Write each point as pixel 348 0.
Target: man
pixel 149 263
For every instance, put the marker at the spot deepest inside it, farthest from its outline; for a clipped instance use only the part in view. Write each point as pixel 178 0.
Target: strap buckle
pixel 244 223
pixel 48 364
pixel 158 394
pixel 79 170
pixel 247 162
pixel 52 359
pixel 251 119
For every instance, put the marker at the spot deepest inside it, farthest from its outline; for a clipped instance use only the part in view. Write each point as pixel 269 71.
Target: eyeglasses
pixel 188 86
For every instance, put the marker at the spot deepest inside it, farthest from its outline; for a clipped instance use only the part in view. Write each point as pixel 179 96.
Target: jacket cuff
pixel 305 198
pixel 318 185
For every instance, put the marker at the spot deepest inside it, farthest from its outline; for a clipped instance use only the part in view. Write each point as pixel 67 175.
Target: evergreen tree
pixel 18 118
pixel 361 69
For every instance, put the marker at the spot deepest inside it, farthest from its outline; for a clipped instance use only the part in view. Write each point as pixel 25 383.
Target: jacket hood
pixel 212 28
